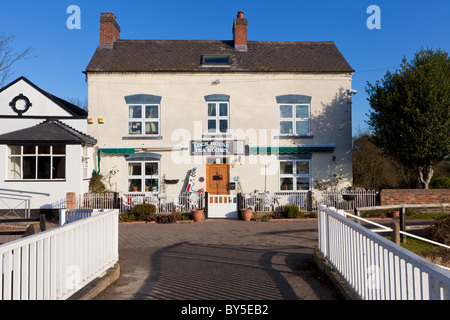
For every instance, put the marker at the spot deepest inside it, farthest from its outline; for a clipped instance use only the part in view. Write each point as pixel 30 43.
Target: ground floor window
pixel 143 176
pixel 37 162
pixel 295 175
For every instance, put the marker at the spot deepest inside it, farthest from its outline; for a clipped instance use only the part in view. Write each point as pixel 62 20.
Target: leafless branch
pixel 8 57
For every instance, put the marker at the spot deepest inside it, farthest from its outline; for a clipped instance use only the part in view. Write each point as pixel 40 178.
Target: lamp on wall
pixel 216 82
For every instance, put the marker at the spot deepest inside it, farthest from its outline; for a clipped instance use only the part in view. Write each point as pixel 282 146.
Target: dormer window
pixel 216 60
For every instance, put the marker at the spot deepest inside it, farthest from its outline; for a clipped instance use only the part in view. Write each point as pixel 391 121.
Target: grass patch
pixel 433 253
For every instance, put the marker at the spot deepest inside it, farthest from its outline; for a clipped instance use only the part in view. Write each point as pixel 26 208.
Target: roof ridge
pixel 230 40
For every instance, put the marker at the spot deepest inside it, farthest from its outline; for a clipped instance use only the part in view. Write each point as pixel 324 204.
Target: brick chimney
pixel 109 29
pixel 240 32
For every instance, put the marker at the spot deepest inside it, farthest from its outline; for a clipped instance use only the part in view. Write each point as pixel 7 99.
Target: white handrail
pixel 390 229
pixel 374 267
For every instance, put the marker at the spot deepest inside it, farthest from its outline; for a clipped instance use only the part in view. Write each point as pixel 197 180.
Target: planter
pixel 247 214
pixel 197 215
pixel 395 214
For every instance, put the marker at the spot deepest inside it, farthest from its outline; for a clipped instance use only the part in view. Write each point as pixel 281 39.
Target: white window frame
pixel 217 117
pixel 142 120
pixel 143 176
pixel 294 119
pixel 294 176
pixel 36 154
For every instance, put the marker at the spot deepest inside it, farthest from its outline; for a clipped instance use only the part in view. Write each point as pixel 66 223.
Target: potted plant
pixel 197 215
pixel 247 214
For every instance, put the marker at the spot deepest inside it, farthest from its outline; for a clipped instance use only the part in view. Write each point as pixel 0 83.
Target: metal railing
pixel 164 203
pixel 17 202
pixel 55 264
pixel 95 201
pixel 310 200
pixel 374 267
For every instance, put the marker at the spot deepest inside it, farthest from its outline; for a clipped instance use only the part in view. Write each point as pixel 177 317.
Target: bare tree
pixel 8 56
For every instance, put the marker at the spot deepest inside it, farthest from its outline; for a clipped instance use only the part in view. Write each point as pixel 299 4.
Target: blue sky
pixel 60 55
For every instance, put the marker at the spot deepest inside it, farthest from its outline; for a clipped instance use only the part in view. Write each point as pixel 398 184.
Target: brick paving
pixel 220 260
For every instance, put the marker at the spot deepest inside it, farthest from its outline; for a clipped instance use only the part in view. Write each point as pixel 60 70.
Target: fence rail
pixel 55 264
pixel 376 268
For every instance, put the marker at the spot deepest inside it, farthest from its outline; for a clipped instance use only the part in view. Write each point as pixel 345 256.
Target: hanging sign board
pixel 213 147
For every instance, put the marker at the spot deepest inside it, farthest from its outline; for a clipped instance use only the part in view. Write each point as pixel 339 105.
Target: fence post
pixel 403 223
pixel 358 214
pixel 240 205
pixel 309 201
pixel 206 204
pixel 395 234
pixel 42 221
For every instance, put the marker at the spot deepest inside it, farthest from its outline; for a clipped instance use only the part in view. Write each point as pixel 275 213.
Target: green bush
pixel 440 183
pixel 292 211
pixel 144 211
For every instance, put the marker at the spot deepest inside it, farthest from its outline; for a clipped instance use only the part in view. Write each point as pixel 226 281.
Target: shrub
pixel 278 215
pixel 441 183
pixel 440 231
pixel 96 184
pixel 166 218
pixel 144 212
pixel 292 211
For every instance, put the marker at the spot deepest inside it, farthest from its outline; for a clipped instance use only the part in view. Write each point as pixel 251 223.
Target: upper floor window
pixel 37 162
pixel 294 113
pixel 143 120
pixel 218 113
pixel 218 117
pixel 143 115
pixel 294 119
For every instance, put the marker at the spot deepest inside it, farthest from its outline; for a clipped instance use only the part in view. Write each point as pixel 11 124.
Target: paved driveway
pixel 219 259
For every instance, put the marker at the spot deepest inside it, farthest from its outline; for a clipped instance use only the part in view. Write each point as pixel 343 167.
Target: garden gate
pixel 222 206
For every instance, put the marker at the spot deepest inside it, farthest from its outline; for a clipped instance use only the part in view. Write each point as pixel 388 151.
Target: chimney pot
pixel 240 15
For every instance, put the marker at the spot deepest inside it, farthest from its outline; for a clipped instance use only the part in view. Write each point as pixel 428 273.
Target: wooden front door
pixel 217 178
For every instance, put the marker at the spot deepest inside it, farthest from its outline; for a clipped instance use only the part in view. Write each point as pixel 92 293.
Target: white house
pixel 244 115
pixel 44 147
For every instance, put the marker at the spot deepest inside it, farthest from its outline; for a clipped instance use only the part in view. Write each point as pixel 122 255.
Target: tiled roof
pixel 49 131
pixel 186 56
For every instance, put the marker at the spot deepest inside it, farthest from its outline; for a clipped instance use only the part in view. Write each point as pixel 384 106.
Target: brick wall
pixel 414 196
pixel 71 200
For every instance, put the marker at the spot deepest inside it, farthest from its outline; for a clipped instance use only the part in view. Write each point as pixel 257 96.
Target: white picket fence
pixel 55 264
pixel 374 267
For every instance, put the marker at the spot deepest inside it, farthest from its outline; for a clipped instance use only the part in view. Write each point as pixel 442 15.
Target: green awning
pixel 124 151
pixel 290 150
